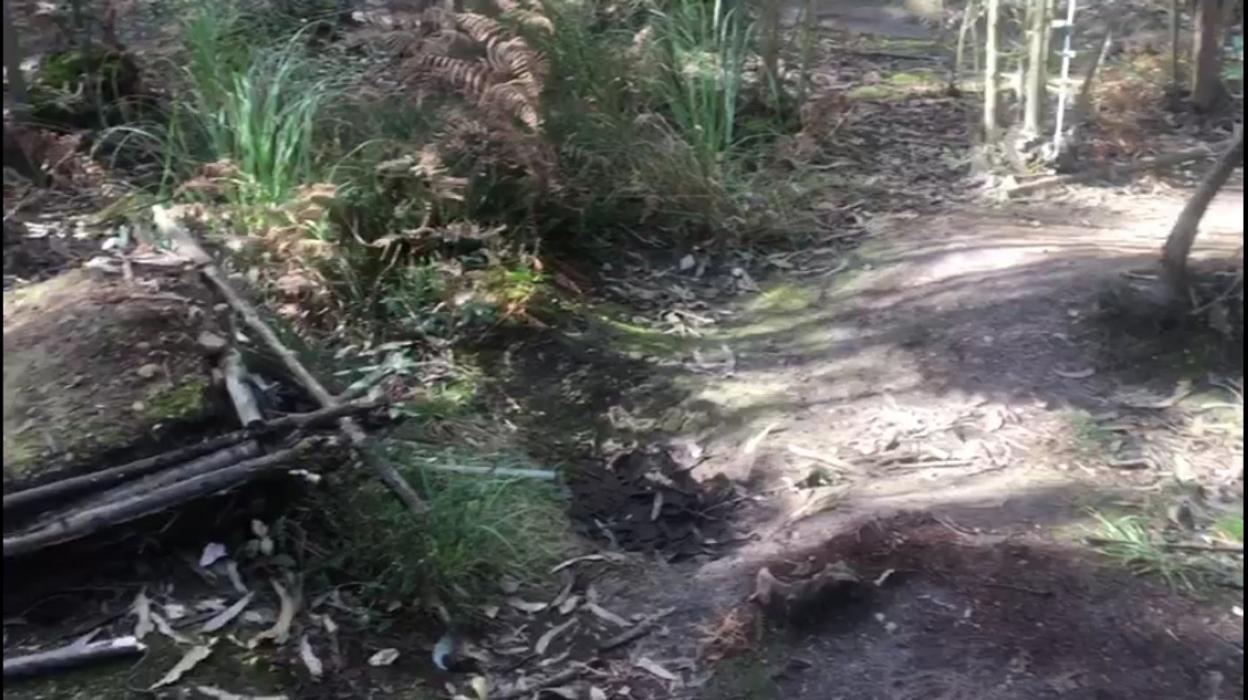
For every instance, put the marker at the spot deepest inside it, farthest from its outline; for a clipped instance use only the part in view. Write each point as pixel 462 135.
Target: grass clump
pixel 1128 540
pixel 478 530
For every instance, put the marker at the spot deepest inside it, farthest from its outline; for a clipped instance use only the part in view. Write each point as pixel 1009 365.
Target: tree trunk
pixel 13 60
pixel 770 47
pixel 969 16
pixel 1179 245
pixel 992 72
pixel 1207 88
pixel 1037 68
pixel 1176 10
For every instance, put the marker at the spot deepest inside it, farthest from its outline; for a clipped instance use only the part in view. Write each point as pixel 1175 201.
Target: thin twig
pixel 1176 547
pixel 637 631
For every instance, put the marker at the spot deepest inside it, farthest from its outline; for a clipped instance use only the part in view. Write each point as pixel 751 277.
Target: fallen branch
pixel 186 245
pixel 636 632
pixel 1175 547
pixel 1111 171
pixel 71 656
pixel 525 690
pixel 239 390
pixel 87 521
pixel 142 467
pixel 495 471
pixel 207 464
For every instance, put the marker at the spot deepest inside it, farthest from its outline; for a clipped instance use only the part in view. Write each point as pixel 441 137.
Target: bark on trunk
pixel 13 60
pixel 1176 9
pixel 1179 245
pixel 1207 90
pixel 992 72
pixel 1037 69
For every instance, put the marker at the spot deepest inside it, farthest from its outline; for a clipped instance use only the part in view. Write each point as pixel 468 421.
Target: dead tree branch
pixel 87 521
pixel 187 246
pixel 71 656
pixel 133 470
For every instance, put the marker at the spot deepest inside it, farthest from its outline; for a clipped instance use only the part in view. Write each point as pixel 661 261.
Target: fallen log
pixel 1112 171
pixel 239 390
pixel 186 245
pixel 220 459
pixel 87 521
pixel 71 656
pixel 142 467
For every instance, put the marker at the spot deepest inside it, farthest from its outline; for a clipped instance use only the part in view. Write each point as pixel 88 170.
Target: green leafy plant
pixel 477 529
pixel 704 46
pixel 1127 540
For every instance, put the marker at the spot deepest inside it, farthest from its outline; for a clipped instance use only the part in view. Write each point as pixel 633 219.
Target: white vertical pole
pixel 1067 54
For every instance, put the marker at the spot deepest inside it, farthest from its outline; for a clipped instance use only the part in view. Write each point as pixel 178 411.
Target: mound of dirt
pixel 92 365
pixel 956 615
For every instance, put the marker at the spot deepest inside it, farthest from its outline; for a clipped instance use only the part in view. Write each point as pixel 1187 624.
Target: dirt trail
pixel 946 371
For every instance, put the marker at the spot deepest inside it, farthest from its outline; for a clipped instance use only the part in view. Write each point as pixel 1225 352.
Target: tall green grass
pixel 704 48
pixel 240 100
pixel 477 529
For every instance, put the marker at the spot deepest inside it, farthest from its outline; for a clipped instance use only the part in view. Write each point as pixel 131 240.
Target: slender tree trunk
pixel 770 47
pixel 807 38
pixel 1207 56
pixel 13 60
pixel 992 72
pixel 969 16
pixel 1179 245
pixel 1037 69
pixel 1176 10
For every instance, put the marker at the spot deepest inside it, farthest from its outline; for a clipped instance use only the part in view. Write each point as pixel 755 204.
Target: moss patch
pixel 78 356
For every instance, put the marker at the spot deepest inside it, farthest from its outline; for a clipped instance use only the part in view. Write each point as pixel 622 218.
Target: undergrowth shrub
pixel 478 529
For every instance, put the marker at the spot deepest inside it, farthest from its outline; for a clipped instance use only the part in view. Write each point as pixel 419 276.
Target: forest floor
pixel 939 398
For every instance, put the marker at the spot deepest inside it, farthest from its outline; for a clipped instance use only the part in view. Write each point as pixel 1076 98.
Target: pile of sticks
pixel 262 448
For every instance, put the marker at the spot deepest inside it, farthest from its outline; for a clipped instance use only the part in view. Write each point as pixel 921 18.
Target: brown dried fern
pixel 484 30
pixel 513 100
pixel 470 78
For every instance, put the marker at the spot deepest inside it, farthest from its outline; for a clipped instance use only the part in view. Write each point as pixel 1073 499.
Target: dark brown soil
pixel 960 616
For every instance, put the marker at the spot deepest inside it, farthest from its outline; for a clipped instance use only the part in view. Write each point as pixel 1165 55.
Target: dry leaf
pixel 231 570
pixel 509 585
pixel 544 641
pixel 657 507
pixel 752 444
pixel 1075 374
pixel 308 656
pixel 606 556
pixel 189 660
pixel 596 693
pixel 569 605
pixel 526 606
pixel 219 694
pixel 224 617
pixel 213 552
pixel 481 687
pixel 385 657
pixel 646 664
pixel 142 609
pixel 565 691
pixel 569 582
pixel 280 631
pixel 607 615
pixel 163 626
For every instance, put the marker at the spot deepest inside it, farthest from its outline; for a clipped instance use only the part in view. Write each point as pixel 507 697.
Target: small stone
pixel 148 370
pixel 138 406
pixel 688 263
pixel 143 346
pixel 211 342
